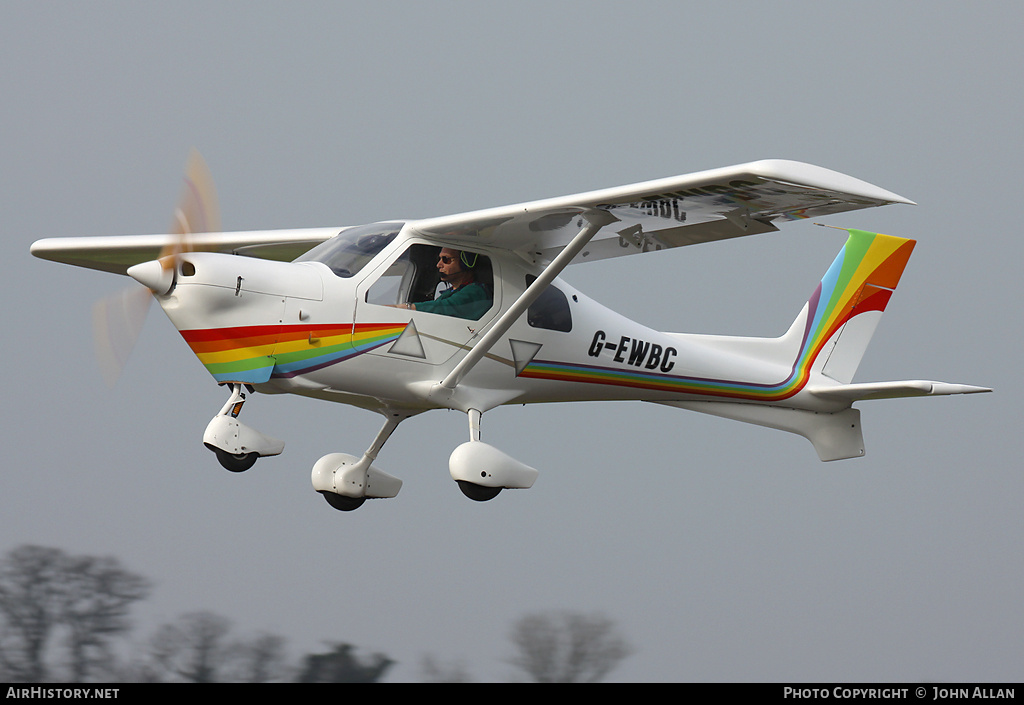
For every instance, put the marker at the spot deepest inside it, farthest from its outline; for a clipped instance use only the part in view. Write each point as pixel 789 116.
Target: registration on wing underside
pixel 709 213
pixel 737 198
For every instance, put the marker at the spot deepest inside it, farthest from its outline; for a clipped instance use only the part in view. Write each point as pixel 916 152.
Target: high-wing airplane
pixel 468 312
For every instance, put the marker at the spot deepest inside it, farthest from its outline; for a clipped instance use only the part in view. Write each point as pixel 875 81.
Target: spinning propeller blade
pixel 118 319
pixel 116 323
pixel 197 210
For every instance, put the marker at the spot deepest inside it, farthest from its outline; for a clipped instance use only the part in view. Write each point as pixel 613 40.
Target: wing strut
pixel 596 219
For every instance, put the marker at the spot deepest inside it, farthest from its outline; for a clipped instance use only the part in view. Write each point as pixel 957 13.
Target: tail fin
pixel 829 336
pixel 841 315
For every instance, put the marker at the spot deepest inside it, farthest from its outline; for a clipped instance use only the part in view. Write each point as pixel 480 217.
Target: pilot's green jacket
pixel 469 301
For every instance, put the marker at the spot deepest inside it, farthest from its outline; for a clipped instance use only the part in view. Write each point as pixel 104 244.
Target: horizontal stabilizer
pixel 849 393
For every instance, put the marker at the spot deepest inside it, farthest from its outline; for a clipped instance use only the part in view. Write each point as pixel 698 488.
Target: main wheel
pixel 478 493
pixel 343 503
pixel 236 462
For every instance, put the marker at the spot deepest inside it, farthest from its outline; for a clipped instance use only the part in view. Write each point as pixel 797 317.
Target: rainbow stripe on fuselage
pixel 254 354
pixel 861 279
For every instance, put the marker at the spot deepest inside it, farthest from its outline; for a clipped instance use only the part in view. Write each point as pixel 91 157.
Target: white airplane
pixel 467 312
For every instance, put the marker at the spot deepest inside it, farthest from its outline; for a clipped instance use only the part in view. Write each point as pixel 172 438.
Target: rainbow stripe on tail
pixel 845 308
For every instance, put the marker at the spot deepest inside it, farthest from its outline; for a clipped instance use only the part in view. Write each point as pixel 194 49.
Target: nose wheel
pixel 237 446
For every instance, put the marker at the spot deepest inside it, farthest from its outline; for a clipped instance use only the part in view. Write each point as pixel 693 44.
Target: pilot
pixel 466 297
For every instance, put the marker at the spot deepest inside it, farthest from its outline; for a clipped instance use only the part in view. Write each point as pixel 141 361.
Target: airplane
pixel 468 312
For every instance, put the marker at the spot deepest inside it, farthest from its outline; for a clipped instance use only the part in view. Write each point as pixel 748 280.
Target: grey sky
pixel 723 551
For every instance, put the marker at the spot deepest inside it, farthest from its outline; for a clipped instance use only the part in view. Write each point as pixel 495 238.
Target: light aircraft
pixel 358 315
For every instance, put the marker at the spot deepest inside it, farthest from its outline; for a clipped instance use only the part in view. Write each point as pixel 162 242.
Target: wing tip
pixel 802 173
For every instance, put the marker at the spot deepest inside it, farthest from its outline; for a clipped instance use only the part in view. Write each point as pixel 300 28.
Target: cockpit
pixel 413 278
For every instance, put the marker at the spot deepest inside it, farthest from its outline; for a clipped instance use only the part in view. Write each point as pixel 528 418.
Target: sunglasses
pixel 446 259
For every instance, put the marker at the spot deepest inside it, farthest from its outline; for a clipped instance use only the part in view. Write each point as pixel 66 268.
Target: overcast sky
pixel 724 552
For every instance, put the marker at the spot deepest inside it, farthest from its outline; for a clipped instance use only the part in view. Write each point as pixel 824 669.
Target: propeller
pixel 197 211
pixel 118 319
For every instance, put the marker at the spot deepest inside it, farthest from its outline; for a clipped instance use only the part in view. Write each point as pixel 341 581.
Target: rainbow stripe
pixel 860 279
pixel 254 354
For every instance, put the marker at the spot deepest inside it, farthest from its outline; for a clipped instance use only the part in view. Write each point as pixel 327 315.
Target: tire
pixel 236 462
pixel 478 493
pixel 343 503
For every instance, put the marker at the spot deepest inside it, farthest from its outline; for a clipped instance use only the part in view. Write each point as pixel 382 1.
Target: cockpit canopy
pixel 350 250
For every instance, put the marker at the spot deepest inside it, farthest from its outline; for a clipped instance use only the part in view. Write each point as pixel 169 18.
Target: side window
pixel 387 290
pixel 550 310
pixel 468 289
pixel 412 277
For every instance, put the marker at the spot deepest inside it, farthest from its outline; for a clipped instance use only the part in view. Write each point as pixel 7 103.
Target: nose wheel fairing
pixel 236 445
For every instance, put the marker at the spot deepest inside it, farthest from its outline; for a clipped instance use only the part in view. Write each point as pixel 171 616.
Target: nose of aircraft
pixel 153 274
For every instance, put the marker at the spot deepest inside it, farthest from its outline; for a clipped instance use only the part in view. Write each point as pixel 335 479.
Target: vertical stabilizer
pixel 848 303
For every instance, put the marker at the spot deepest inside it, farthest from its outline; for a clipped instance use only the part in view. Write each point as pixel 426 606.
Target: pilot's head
pixel 455 266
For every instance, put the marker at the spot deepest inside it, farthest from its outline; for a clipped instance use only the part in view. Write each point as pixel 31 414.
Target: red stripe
pixel 214 334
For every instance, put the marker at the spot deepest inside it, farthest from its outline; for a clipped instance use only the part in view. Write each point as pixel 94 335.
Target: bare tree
pixel 262 660
pixel 567 647
pixel 199 648
pixel 195 649
pixel 98 596
pixel 45 592
pixel 31 592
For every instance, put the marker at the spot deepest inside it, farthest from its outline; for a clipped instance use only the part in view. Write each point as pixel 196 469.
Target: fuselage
pixel 315 328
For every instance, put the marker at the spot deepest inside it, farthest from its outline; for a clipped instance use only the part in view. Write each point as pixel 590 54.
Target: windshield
pixel 349 251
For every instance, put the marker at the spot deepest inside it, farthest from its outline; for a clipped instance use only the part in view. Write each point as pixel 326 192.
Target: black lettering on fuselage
pixel 623 342
pixel 635 352
pixel 667 363
pixel 638 352
pixel 655 359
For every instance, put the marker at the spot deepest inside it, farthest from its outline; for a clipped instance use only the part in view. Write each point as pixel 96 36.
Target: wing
pixel 118 253
pixel 683 210
pixel 654 215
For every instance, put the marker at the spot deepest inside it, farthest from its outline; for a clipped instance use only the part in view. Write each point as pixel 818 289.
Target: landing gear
pixel 236 445
pixel 346 481
pixel 482 471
